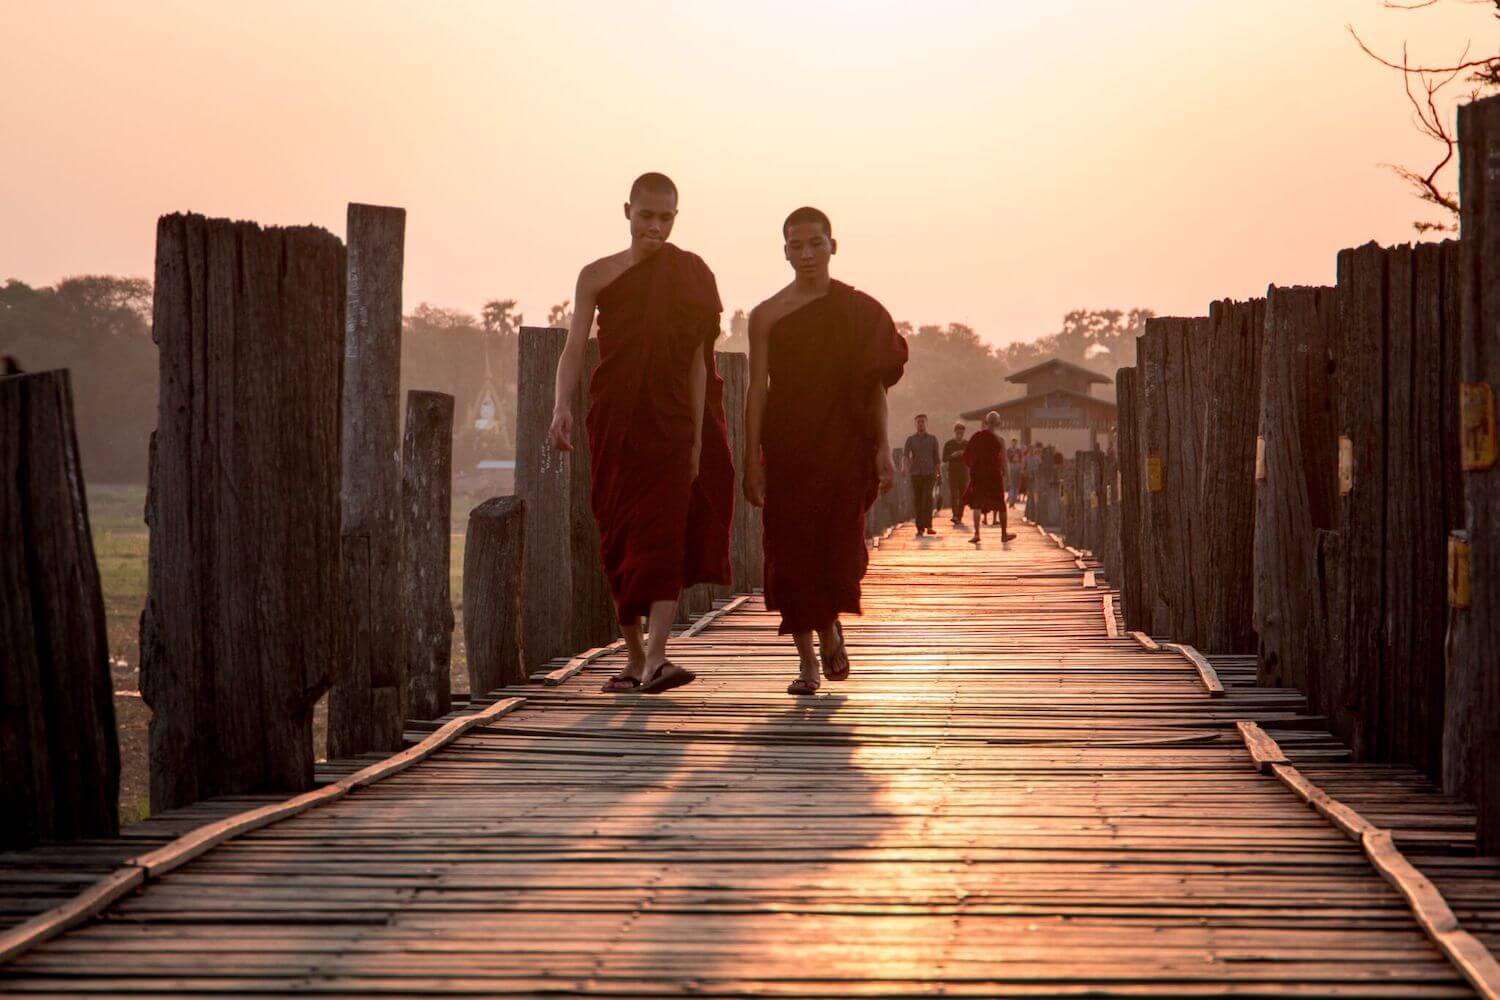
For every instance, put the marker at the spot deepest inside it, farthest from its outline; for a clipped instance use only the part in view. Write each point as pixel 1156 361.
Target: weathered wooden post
pixel 1475 699
pixel 543 481
pixel 1088 480
pixel 426 533
pixel 1091 500
pixel 494 594
pixel 593 618
pixel 1132 548
pixel 1114 554
pixel 568 607
pixel 1172 400
pixel 242 602
pixel 745 531
pixel 366 708
pixel 1156 520
pixel 1424 492
pixel 696 600
pixel 1049 495
pixel 1069 493
pixel 1361 705
pixel 57 733
pixel 1295 481
pixel 1227 496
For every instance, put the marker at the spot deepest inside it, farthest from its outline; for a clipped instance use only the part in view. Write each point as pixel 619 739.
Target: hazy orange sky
pixel 990 163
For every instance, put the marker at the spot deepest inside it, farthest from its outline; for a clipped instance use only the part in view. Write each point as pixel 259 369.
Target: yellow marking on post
pixel 1476 404
pixel 1458 570
pixel 1154 473
pixel 1260 458
pixel 1346 466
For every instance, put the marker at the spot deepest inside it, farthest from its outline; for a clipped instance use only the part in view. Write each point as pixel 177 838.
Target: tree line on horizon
pixel 99 327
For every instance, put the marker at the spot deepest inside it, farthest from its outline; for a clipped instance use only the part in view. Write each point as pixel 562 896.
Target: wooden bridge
pixel 1010 797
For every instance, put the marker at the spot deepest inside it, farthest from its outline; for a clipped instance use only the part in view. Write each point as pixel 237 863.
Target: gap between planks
pixel 1426 902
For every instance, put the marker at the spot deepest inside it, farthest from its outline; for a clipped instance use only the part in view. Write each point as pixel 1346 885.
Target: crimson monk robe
pixel 818 442
pixel 985 457
pixel 660 528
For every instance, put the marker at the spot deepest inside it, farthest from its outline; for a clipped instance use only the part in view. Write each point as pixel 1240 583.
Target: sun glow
pixel 995 164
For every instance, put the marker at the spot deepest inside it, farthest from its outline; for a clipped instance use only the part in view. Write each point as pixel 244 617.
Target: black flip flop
pixel 803 688
pixel 625 681
pixel 839 653
pixel 668 676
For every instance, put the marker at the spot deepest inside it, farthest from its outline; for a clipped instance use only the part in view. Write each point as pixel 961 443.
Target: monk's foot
pixel 975 539
pixel 833 653
pixel 1008 537
pixel 807 681
pixel 648 669
pixel 628 679
pixel 664 676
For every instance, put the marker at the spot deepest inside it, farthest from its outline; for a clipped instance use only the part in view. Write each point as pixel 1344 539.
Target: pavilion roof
pixel 1015 407
pixel 1029 374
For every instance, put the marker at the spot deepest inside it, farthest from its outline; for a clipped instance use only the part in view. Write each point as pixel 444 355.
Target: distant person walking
pixel 957 471
pixel 922 456
pixel 1013 470
pixel 985 457
pixel 1029 466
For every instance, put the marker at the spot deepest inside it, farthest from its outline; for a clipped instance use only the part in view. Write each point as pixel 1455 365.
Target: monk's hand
pixel 561 433
pixel 885 469
pixel 754 486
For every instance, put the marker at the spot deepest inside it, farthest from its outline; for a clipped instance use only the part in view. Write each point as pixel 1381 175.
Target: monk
pixel 985 457
pixel 817 451
pixel 662 486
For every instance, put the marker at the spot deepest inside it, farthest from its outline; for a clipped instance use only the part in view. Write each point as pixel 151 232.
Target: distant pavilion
pixel 1059 396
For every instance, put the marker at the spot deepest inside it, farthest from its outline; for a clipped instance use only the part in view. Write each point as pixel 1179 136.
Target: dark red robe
pixel 659 528
pixel 985 457
pixel 818 441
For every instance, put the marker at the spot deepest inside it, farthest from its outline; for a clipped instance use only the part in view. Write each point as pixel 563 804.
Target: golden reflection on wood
pixel 1002 800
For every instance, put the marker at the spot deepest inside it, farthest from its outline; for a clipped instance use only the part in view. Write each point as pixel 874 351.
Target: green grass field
pixel 120 547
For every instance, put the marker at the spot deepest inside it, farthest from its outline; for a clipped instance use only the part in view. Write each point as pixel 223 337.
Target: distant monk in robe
pixel 816 448
pixel 985 457
pixel 662 484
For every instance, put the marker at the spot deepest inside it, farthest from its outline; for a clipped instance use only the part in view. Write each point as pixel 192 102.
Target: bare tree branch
pixel 1423 84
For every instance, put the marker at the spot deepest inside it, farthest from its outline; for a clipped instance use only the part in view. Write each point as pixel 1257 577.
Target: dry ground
pixel 120 542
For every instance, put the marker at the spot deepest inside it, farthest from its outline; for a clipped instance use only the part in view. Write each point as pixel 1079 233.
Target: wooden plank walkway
pixel 1002 801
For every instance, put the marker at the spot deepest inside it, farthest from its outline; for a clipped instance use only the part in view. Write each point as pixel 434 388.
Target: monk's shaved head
pixel 807 214
pixel 655 183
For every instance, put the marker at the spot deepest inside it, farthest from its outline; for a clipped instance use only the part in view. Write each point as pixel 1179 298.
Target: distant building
pixel 1059 397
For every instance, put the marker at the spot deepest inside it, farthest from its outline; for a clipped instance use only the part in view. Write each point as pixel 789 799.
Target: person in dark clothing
pixel 922 458
pixel 817 453
pixel 956 470
pixel 985 457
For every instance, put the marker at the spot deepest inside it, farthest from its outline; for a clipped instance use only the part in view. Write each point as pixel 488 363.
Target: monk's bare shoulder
pixel 599 273
pixel 767 313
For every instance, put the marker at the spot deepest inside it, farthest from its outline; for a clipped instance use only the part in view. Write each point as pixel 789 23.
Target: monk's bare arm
pixel 879 413
pixel 570 365
pixel 698 393
pixel 754 485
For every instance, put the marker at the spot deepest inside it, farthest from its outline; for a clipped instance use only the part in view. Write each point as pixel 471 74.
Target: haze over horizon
pixel 986 164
